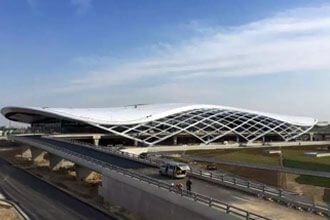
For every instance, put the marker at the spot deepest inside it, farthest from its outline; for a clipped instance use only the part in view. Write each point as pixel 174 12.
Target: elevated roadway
pixel 103 165
pixel 234 197
pixel 40 200
pixel 240 199
pixel 117 161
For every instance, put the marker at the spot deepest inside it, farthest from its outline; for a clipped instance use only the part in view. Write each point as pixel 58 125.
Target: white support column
pixel 96 139
pixel 237 139
pixel 56 162
pixel 311 136
pixel 263 139
pixel 136 143
pixel 175 140
pixel 37 154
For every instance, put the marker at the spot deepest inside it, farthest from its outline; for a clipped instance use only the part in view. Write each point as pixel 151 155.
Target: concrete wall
pixel 151 202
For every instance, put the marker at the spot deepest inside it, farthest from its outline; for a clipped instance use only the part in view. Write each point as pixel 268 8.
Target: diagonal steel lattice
pixel 208 125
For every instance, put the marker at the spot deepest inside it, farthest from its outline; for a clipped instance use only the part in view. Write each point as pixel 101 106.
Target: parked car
pixel 174 170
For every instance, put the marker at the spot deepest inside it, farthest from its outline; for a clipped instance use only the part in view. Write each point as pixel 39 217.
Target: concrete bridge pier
pixel 26 153
pixel 56 162
pixel 83 173
pixel 37 154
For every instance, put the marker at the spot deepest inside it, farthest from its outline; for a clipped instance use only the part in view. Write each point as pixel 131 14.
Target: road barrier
pixel 260 190
pixel 16 207
pixel 102 166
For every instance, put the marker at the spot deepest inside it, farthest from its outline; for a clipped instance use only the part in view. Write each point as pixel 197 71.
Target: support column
pixel 136 143
pixel 37 154
pixel 175 140
pixel 263 139
pixel 237 139
pixel 56 162
pixel 311 136
pixel 83 173
pixel 26 153
pixel 96 139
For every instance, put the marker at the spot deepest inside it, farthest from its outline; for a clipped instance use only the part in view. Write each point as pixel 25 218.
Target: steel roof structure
pixel 151 124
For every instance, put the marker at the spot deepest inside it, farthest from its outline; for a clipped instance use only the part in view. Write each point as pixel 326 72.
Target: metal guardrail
pixel 148 161
pixel 105 166
pixel 17 208
pixel 261 190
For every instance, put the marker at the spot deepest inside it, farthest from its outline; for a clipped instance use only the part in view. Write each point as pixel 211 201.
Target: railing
pixel 16 207
pixel 148 161
pixel 105 166
pixel 261 190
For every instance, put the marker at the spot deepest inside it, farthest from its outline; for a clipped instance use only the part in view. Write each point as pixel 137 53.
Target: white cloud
pixel 82 5
pixel 294 41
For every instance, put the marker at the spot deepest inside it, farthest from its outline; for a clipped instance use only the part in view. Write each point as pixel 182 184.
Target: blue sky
pixel 262 55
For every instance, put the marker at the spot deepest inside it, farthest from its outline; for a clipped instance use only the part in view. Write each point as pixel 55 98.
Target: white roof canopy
pixel 139 113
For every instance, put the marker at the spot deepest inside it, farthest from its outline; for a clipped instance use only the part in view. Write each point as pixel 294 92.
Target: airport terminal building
pixel 165 124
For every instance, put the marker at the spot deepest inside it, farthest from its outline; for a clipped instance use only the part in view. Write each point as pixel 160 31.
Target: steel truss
pixel 208 125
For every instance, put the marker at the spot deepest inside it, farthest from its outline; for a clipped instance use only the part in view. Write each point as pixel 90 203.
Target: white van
pixel 173 169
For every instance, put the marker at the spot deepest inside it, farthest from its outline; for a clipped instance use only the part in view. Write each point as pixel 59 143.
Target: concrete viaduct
pixel 148 201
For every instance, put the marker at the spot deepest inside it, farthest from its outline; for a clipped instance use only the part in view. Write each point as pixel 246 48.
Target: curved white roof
pixel 140 113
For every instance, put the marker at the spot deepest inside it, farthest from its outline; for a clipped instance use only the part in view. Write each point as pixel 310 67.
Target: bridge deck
pixel 245 201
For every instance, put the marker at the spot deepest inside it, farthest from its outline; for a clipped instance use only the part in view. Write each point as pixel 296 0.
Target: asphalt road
pixel 118 161
pixel 236 198
pixel 40 200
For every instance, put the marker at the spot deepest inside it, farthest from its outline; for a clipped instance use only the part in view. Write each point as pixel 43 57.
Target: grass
pixel 293 158
pixel 313 180
pixel 245 155
pixel 297 159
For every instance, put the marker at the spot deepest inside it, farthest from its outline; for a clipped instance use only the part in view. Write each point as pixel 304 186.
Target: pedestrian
pixel 179 186
pixel 188 184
